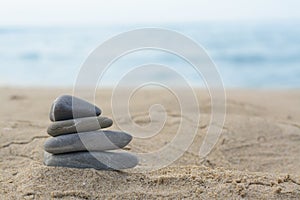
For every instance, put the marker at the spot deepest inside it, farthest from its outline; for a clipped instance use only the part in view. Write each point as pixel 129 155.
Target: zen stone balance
pixel 78 139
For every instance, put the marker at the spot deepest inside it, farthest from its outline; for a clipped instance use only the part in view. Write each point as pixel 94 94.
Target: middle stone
pixel 87 141
pixel 78 125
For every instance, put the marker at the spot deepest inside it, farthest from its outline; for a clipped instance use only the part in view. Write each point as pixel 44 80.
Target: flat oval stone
pixel 96 160
pixel 62 108
pixel 78 125
pixel 87 141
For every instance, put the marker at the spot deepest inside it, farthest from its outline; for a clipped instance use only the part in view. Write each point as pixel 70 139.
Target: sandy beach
pixel 256 157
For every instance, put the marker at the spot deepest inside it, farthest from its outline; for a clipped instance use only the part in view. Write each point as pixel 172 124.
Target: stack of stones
pixel 77 141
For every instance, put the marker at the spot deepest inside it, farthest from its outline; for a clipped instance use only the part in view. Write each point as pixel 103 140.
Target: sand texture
pixel 256 157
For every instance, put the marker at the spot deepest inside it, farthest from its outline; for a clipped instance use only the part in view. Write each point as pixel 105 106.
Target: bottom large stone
pixel 96 160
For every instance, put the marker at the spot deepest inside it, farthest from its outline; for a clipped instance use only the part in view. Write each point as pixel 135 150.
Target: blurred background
pixel 255 44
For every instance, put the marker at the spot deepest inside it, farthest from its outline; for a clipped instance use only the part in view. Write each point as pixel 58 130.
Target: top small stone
pixel 67 107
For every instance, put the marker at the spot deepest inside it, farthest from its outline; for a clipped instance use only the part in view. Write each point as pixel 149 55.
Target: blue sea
pixel 247 55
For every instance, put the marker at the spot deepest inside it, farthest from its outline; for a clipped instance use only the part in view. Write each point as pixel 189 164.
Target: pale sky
pixel 61 12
